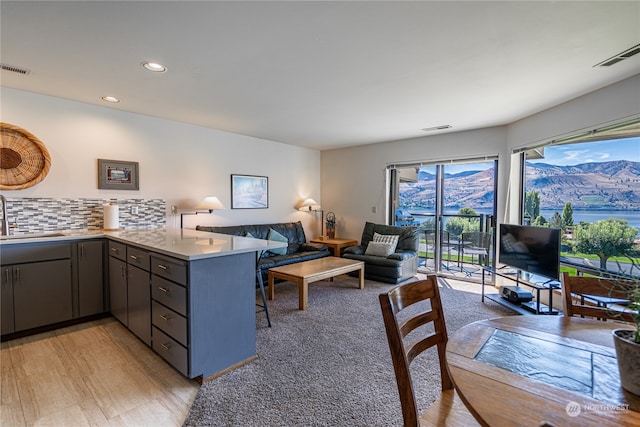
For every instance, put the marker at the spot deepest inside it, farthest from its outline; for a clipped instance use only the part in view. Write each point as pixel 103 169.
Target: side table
pixel 336 244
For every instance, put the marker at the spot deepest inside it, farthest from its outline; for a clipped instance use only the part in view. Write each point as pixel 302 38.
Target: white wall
pixel 353 179
pixel 614 103
pixel 179 163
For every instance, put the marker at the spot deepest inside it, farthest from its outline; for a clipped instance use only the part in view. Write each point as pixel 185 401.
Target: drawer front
pixel 170 322
pixel 171 351
pixel 33 252
pixel 172 269
pixel 138 257
pixel 170 294
pixel 118 250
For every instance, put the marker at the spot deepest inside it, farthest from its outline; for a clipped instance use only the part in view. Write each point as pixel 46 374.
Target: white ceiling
pixel 321 74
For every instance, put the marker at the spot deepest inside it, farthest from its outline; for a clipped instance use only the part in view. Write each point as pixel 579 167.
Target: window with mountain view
pixel 590 190
pixel 467 186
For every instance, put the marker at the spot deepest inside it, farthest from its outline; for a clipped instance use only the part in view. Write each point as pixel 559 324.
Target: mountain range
pixel 607 185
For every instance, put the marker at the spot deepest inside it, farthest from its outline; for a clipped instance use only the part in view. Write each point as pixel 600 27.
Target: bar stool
pixel 263 306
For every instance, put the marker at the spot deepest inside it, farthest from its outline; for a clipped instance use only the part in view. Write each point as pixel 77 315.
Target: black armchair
pixel 395 267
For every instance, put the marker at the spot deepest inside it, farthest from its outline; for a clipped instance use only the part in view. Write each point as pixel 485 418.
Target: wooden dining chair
pixel 576 291
pixel 448 409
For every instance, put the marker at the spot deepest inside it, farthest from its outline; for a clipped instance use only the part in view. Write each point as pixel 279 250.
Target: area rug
pixel 328 365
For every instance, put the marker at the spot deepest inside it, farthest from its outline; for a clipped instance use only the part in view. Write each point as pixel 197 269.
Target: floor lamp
pixel 310 205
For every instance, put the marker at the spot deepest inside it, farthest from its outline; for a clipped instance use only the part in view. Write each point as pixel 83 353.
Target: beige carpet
pixel 329 365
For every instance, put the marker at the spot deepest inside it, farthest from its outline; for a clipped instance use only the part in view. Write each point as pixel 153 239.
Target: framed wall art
pixel 249 192
pixel 118 175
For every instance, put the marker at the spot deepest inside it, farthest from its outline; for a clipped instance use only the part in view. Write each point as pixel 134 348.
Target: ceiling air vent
pixel 437 128
pixel 15 69
pixel 620 57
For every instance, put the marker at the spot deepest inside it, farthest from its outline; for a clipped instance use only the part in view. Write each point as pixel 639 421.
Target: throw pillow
pixel 380 249
pixel 274 236
pixel 387 238
pixel 251 236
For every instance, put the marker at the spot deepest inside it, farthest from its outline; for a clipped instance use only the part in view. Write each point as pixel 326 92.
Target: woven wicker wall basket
pixel 24 160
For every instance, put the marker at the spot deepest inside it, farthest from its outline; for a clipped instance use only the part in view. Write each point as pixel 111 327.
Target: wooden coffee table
pixel 311 271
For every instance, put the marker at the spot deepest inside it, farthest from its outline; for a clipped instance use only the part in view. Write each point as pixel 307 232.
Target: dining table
pixel 551 371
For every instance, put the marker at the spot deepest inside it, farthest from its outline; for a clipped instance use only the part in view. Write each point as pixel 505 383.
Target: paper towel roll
pixel 111 217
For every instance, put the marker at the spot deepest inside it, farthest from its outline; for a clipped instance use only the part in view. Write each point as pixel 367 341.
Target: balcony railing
pixel 450 244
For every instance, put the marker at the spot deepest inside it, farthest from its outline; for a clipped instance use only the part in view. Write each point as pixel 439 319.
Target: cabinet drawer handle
pixel 165 290
pixel 17 274
pixel 81 250
pixel 165 317
pixel 166 346
pixel 6 273
pixel 133 257
pixel 162 267
pixel 115 250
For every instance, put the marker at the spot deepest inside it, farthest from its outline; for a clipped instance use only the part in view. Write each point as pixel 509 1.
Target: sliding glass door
pixel 453 205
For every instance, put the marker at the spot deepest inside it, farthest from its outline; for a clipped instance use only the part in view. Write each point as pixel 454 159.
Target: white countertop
pixel 183 243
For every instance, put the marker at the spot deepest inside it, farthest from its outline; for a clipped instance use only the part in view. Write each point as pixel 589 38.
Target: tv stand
pixel 529 280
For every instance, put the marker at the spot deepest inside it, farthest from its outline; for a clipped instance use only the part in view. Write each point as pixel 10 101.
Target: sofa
pixel 297 247
pixel 389 267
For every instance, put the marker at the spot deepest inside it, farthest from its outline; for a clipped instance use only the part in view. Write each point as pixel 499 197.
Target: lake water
pixel 632 217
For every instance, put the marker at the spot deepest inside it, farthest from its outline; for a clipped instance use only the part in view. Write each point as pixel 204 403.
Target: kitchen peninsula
pixel 189 295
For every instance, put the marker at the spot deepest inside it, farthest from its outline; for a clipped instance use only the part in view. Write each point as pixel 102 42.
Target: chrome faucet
pixel 5 220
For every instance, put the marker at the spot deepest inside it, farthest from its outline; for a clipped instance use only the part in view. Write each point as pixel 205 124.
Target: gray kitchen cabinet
pixel 118 289
pixel 129 288
pixel 41 285
pixel 90 277
pixel 139 293
pixel 139 303
pixel 6 321
pixel 197 312
pixel 204 312
pixel 169 310
pixel 42 293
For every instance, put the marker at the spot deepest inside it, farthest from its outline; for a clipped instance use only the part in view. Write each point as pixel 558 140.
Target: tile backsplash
pixel 33 215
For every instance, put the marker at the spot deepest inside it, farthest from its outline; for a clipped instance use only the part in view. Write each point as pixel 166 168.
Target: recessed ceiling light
pixel 112 99
pixel 154 66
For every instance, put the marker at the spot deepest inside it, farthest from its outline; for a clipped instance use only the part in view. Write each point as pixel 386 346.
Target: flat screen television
pixel 534 250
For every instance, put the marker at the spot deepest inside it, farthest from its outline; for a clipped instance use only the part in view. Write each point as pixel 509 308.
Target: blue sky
pixel 590 152
pixel 571 154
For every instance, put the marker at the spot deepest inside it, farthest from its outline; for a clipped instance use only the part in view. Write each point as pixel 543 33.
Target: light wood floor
pixel 96 373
